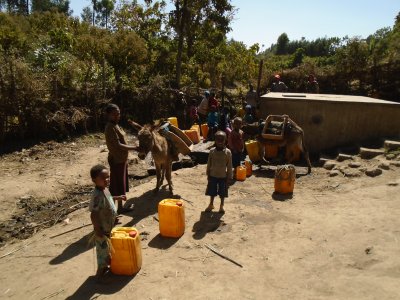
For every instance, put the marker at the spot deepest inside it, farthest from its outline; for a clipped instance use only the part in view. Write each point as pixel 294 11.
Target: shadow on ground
pixel 73 250
pixel 161 242
pixel 146 204
pixel 282 197
pixel 209 222
pixel 91 289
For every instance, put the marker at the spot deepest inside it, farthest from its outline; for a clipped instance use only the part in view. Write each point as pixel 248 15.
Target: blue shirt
pixel 212 119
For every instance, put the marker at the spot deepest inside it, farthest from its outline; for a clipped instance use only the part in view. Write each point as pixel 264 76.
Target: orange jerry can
pixel 249 168
pixel 204 130
pixel 126 254
pixel 241 173
pixel 173 121
pixel 284 179
pixel 196 127
pixel 252 148
pixel 193 135
pixel 271 151
pixel 171 216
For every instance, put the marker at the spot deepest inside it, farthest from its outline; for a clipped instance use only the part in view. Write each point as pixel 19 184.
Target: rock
pixel 366 153
pixel 384 166
pixel 390 156
pixel 323 160
pixel 395 163
pixel 351 172
pixel 334 173
pixel 343 157
pixel 354 164
pixel 393 183
pixel 26 197
pixel 392 145
pixel 373 172
pixel 329 165
pixel 368 250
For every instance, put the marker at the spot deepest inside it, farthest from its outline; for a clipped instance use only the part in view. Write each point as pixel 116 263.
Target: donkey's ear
pixel 137 126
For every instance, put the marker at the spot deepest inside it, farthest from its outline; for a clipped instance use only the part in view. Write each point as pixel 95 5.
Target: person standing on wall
pixel 312 85
pixel 117 155
pixel 278 85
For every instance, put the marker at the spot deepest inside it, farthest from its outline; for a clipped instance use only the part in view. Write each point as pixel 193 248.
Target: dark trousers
pixel 119 184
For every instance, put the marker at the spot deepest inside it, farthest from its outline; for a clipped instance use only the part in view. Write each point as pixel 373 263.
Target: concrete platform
pixel 334 120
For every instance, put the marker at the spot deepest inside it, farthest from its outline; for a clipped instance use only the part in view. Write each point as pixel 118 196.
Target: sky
pixel 262 21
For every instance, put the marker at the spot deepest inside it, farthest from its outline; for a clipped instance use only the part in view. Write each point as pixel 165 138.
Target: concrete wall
pixel 328 123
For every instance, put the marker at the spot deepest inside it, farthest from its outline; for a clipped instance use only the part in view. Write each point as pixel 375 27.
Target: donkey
pixel 293 139
pixel 151 141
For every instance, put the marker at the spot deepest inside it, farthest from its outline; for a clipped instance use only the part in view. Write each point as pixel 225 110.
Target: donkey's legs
pixel 168 175
pixel 158 174
pixel 162 174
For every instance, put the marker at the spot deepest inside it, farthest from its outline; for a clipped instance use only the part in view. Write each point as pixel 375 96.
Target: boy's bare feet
pixel 221 210
pixel 209 208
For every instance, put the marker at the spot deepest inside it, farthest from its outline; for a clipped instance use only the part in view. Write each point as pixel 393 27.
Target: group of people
pixel 312 86
pixel 111 184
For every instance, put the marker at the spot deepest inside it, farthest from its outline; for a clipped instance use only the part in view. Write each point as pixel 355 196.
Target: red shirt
pixel 213 101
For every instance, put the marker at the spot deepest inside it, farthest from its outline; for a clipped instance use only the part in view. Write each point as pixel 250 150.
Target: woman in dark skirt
pixel 117 155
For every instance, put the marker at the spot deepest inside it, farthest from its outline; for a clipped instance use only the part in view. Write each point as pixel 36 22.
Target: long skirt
pixel 119 184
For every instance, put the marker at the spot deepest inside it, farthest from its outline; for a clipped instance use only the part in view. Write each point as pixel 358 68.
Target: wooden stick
pixel 16 250
pixel 68 231
pixel 53 295
pixel 223 256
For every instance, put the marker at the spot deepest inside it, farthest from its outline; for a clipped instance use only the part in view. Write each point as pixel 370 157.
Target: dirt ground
pixel 336 238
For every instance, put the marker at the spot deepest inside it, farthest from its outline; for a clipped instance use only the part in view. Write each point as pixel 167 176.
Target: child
pixel 103 216
pixel 219 171
pixel 236 143
pixel 212 122
pixel 248 117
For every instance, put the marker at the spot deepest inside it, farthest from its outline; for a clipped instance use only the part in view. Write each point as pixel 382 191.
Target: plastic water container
pixel 196 127
pixel 271 151
pixel 241 173
pixel 285 177
pixel 171 216
pixel 126 258
pixel 252 148
pixel 173 121
pixel 249 168
pixel 204 130
pixel 193 135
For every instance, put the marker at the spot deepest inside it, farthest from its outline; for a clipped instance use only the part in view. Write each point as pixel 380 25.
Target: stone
pixel 367 153
pixel 395 163
pixel 393 183
pixel 384 166
pixel 373 172
pixel 329 165
pixel 351 172
pixel 323 160
pixel 342 157
pixel 390 156
pixel 392 145
pixel 354 164
pixel 334 173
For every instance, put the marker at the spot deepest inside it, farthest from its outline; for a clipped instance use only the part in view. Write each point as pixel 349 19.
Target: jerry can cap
pixel 179 203
pixel 133 233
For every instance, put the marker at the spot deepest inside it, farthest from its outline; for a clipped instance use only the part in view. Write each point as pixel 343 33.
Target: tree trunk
pixel 181 26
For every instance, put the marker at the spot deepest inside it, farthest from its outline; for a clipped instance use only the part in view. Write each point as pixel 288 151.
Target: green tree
pixel 61 6
pixel 282 44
